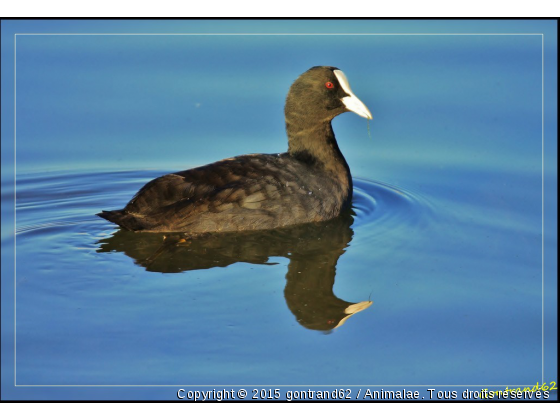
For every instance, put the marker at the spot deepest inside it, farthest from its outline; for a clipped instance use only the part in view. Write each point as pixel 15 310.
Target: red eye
pixel 329 85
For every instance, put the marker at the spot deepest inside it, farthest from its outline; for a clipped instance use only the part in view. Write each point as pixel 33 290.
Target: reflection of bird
pixel 313 250
pixel 309 183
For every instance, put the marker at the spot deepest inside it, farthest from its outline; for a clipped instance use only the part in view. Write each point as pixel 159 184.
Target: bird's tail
pixel 123 219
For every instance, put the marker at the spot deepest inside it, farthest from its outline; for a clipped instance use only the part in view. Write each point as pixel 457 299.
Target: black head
pixel 320 94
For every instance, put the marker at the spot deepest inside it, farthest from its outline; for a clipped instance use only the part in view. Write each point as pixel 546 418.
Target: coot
pixel 309 183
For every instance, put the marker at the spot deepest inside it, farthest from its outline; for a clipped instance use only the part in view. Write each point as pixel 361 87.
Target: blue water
pixel 448 258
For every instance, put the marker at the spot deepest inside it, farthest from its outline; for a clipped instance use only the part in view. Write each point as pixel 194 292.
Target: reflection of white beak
pixel 358 307
pixel 351 102
pixel 354 309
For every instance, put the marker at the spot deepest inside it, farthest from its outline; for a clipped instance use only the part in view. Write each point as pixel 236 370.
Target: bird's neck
pixel 316 145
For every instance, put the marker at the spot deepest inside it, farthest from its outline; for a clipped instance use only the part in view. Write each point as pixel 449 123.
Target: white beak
pixel 351 102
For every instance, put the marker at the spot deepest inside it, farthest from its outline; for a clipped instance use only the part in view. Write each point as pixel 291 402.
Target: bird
pixel 311 182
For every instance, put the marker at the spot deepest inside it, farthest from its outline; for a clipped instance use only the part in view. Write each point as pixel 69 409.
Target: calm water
pixel 434 278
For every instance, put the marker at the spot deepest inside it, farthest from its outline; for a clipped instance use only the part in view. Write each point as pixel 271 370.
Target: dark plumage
pixel 309 183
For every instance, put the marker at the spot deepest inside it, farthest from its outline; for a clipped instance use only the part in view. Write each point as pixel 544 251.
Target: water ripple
pixel 388 208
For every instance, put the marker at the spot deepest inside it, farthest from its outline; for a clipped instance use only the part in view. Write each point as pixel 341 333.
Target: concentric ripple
pixel 388 208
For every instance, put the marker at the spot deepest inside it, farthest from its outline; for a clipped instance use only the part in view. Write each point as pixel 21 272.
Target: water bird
pixel 311 182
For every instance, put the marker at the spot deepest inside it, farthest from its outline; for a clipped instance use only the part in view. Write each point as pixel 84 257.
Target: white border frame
pixel 282 34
